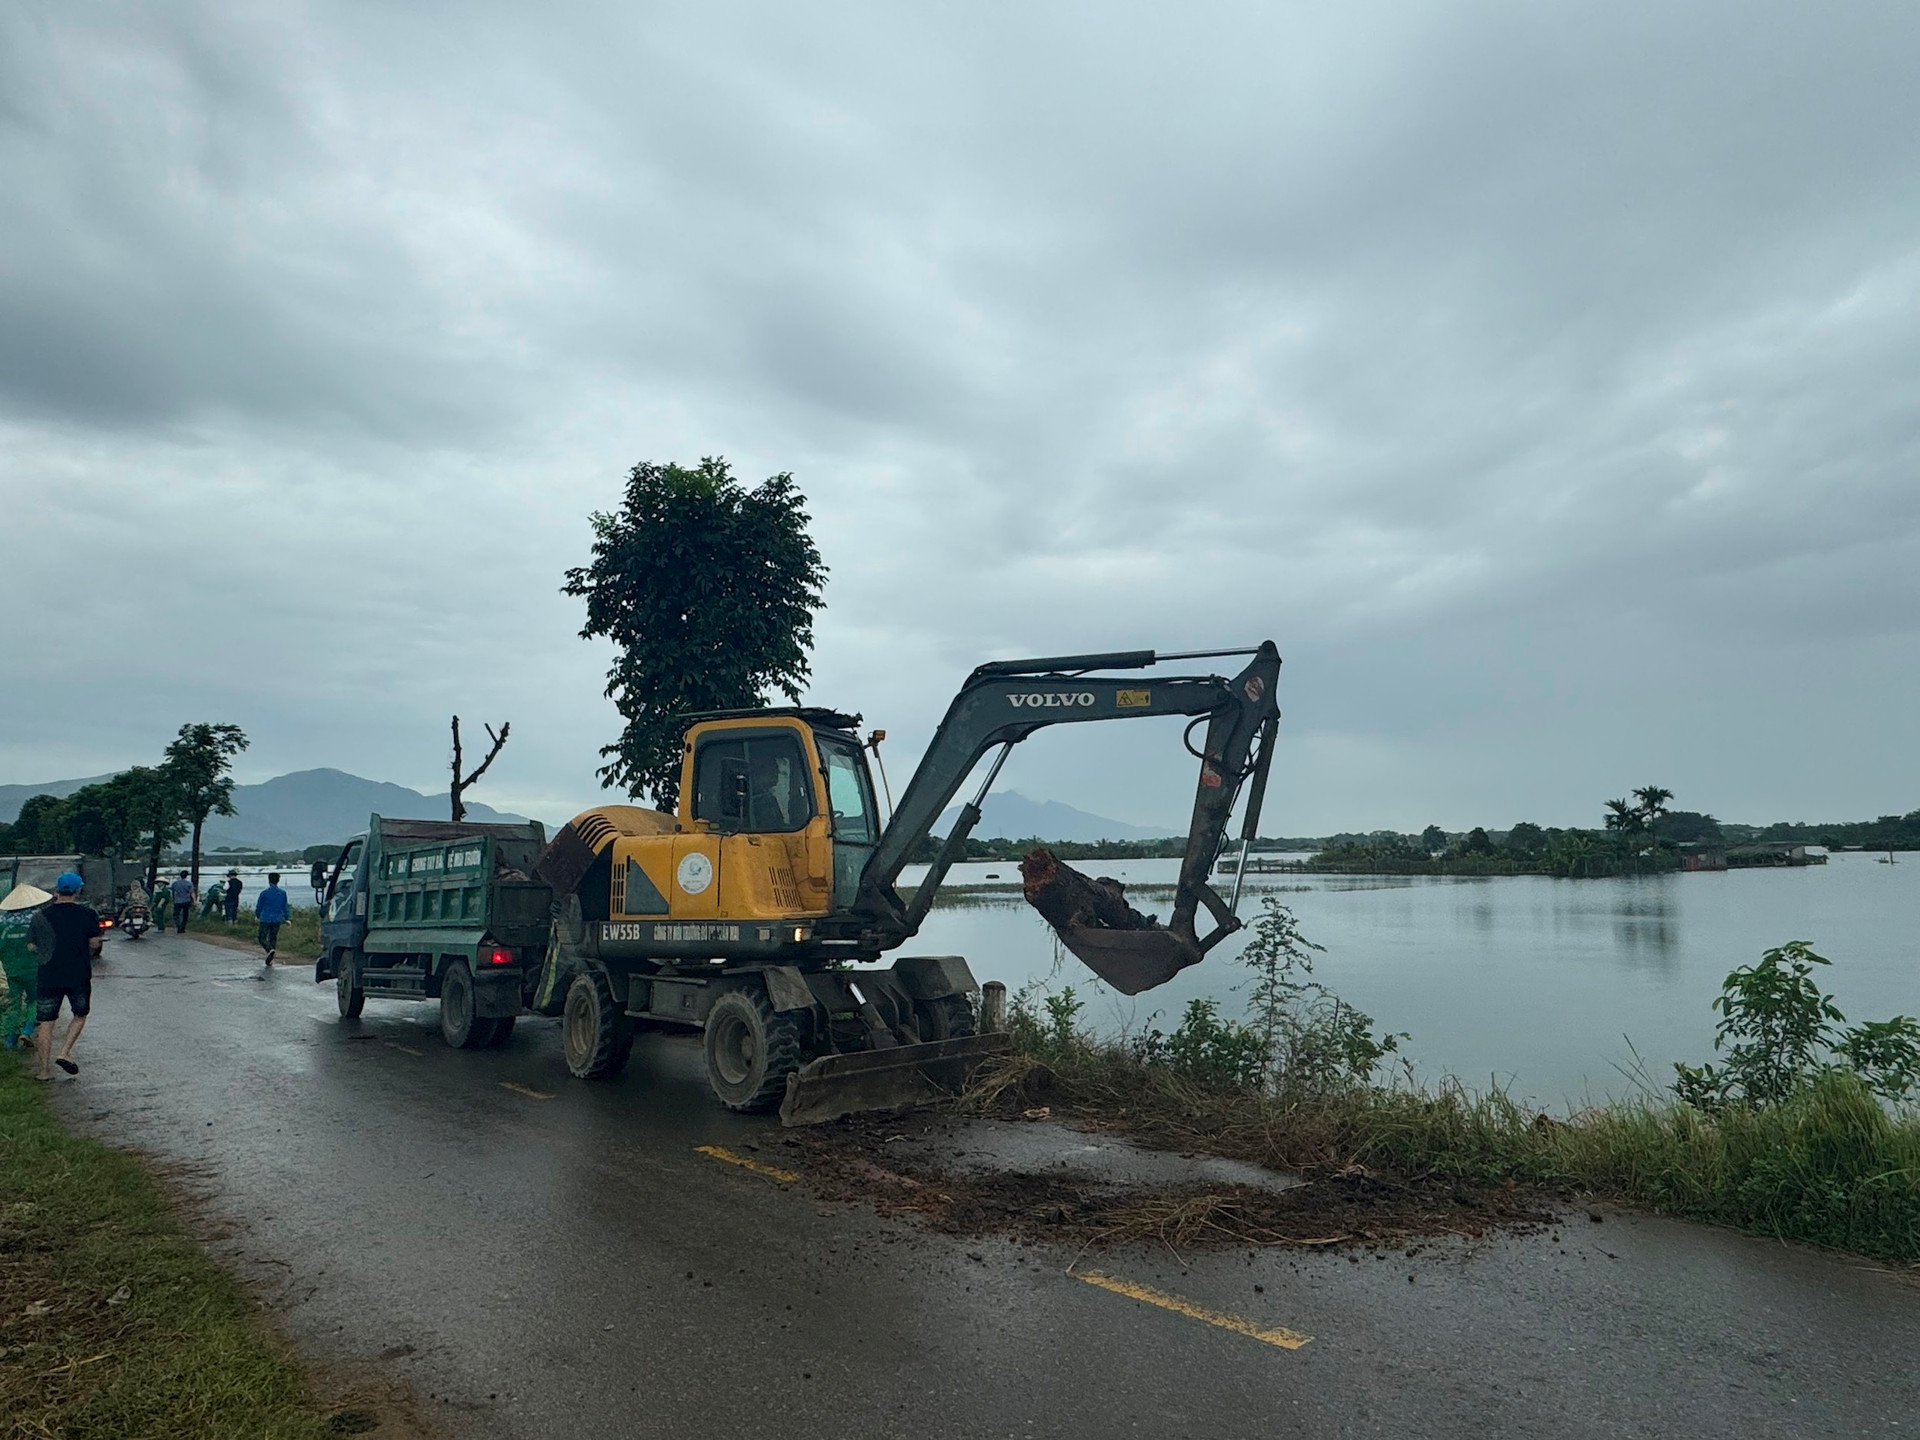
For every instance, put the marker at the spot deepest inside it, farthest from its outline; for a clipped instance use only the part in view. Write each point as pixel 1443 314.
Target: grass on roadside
pixel 113 1323
pixel 1831 1166
pixel 299 936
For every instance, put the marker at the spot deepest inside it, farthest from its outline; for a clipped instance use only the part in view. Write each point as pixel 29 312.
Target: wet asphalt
pixel 538 1256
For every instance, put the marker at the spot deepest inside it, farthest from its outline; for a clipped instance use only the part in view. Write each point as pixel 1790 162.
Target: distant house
pixel 1763 853
pixel 1703 857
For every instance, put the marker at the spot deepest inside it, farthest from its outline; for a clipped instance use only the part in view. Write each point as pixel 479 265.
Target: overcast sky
pixel 1544 379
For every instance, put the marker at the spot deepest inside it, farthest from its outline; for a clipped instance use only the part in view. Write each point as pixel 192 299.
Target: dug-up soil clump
pixel 911 1167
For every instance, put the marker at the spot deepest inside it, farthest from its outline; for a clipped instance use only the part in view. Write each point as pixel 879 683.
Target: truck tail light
pixel 498 956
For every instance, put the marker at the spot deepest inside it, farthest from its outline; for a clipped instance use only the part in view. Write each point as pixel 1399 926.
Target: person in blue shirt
pixel 271 910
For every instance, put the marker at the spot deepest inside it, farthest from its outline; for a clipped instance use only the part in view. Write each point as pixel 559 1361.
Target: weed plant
pixel 1802 1130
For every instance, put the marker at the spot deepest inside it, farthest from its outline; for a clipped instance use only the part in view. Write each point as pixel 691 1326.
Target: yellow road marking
pixel 720 1152
pixel 524 1090
pixel 403 1049
pixel 1285 1339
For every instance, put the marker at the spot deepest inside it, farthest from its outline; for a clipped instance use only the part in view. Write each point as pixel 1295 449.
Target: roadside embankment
pixel 1830 1165
pixel 113 1323
pixel 299 936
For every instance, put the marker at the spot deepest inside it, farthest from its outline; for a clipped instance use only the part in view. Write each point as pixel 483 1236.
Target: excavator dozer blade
pixel 892 1079
pixel 1130 960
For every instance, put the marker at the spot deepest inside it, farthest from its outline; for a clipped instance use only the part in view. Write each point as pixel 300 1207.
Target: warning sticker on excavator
pixel 1133 699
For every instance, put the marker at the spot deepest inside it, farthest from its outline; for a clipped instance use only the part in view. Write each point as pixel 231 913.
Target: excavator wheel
pixel 948 1018
pixel 594 1030
pixel 751 1048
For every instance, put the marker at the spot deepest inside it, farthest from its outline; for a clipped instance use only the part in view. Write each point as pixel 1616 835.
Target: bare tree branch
pixel 460 786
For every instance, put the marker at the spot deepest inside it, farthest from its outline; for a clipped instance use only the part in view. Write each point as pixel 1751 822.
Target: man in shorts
pixel 271 910
pixel 66 937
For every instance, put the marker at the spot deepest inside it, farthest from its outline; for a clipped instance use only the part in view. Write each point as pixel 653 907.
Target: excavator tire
pixel 594 1030
pixel 948 1018
pixel 751 1048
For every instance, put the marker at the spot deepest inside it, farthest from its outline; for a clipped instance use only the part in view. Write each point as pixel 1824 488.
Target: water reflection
pixel 1526 976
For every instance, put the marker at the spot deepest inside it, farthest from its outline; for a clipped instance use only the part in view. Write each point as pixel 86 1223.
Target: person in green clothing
pixel 161 904
pixel 214 901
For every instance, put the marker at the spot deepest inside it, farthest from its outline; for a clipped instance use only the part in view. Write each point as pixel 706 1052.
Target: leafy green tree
pixel 158 811
pixel 199 764
pixel 98 819
pixel 42 827
pixel 1527 839
pixel 1433 839
pixel 1688 827
pixel 708 591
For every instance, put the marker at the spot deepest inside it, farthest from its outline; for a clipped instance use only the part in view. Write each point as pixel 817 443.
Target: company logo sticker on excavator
pixel 1050 699
pixel 1133 699
pixel 695 873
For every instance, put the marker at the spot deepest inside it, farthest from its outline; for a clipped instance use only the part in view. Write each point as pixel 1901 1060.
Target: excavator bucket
pixel 896 1078
pixel 1130 960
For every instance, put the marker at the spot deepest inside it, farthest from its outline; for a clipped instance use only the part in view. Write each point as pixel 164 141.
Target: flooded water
pixel 1548 986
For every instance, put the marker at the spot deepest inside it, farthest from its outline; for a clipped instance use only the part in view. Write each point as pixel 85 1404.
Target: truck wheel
pixel 460 1027
pixel 751 1049
pixel 594 1031
pixel 346 986
pixel 502 1031
pixel 948 1018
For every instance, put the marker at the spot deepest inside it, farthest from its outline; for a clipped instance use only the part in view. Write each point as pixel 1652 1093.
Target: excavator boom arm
pixel 1004 702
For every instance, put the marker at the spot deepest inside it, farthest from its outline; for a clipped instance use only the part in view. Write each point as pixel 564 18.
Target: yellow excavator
pixel 754 911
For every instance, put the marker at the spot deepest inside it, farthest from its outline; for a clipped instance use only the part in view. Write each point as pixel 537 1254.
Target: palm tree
pixel 1653 804
pixel 1624 819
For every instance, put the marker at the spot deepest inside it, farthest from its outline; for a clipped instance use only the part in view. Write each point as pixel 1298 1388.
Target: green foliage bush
pixel 1779 1032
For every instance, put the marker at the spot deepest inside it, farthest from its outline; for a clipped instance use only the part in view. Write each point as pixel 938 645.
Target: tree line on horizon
pixel 140 811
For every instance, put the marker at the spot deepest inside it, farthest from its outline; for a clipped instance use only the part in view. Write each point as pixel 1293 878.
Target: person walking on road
pixel 162 903
pixel 66 937
pixel 271 910
pixel 318 879
pixel 181 893
pixel 233 896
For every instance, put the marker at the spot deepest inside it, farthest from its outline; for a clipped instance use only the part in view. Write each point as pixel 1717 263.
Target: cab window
pixel 849 792
pixel 344 869
pixel 756 783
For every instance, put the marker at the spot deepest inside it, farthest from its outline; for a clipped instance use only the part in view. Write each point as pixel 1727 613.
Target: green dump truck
pixel 438 910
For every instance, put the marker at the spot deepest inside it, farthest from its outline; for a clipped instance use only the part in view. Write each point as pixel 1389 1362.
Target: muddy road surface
pixel 538 1256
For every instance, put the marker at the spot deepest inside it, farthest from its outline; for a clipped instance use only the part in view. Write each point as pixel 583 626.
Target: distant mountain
pixel 291 812
pixel 1009 815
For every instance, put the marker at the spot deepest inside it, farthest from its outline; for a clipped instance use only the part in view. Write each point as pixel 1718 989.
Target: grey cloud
pixel 1543 379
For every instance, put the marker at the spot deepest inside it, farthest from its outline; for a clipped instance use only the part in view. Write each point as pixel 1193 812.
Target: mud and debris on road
pixel 1042 1180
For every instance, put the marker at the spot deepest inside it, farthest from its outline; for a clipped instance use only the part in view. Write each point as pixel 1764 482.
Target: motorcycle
pixel 136 920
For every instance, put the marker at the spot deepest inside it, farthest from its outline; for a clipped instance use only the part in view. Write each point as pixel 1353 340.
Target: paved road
pixel 563 1261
